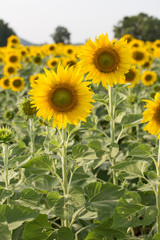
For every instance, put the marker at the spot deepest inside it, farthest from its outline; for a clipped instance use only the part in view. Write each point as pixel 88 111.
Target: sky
pixel 36 20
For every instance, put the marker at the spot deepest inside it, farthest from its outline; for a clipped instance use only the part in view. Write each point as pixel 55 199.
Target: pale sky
pixel 35 20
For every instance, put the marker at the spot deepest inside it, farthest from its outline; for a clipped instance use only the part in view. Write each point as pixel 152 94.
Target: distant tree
pixel 5 32
pixel 141 26
pixel 61 35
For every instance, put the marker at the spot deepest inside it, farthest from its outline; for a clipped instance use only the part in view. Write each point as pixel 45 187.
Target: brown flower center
pixel 148 77
pixel 106 60
pixel 129 77
pixel 137 55
pixel 13 59
pixel 17 83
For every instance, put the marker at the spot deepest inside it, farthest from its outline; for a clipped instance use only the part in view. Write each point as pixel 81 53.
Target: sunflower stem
pixel 5 160
pixel 112 126
pixel 158 191
pixel 64 176
pixel 32 136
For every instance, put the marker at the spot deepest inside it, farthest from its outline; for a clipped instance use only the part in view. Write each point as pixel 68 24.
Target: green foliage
pixel 61 35
pixel 141 26
pixel 5 32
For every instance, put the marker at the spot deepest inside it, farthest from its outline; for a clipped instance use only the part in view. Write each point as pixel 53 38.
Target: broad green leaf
pixel 131 120
pixel 4 230
pixel 105 231
pixel 29 198
pixel 156 236
pixel 130 212
pixel 40 228
pixel 135 168
pixel 16 214
pixel 65 233
pixel 78 150
pixel 105 200
pixel 92 189
pixel 76 197
pixel 140 150
pixel 95 145
pixel 4 194
pixel 42 162
pixel 99 98
pixel 52 198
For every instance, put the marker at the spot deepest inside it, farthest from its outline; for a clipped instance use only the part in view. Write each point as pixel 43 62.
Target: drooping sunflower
pixel 63 96
pixel 148 78
pixel 9 69
pixel 152 116
pixel 5 83
pixel 104 60
pixel 17 84
pixel 132 76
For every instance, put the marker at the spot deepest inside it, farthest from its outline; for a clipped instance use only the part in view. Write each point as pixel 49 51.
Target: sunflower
pixel 9 69
pixel 53 62
pixel 148 77
pixel 135 43
pixel 132 76
pixel 128 38
pixel 37 59
pixel 50 48
pixel 13 58
pixel 17 84
pixel 69 61
pixel 34 78
pixel 1 58
pixel 152 116
pixel 104 60
pixel 13 40
pixel 5 83
pixel 62 96
pixel 139 56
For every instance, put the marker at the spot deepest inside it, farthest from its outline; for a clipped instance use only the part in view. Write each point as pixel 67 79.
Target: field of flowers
pixel 79 140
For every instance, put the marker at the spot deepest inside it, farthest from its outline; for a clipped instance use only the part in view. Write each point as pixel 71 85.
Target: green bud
pixel 6 134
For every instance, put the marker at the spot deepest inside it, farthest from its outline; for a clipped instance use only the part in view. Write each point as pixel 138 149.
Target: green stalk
pixel 64 174
pixel 112 126
pixel 32 136
pixel 158 192
pixel 5 160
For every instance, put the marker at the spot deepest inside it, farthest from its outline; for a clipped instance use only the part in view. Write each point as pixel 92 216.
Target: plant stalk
pixel 158 191
pixel 5 160
pixel 32 136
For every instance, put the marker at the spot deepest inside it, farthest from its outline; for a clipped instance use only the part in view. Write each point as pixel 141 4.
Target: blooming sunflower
pixel 139 56
pixel 53 62
pixel 33 78
pixel 13 58
pixel 132 76
pixel 17 84
pixel 5 83
pixel 9 69
pixel 148 78
pixel 62 96
pixel 13 40
pixel 152 116
pixel 104 60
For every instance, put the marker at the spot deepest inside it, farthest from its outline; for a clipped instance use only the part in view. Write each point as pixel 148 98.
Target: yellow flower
pixel 152 116
pixel 148 78
pixel 10 69
pixel 13 40
pixel 13 57
pixel 104 60
pixel 139 56
pixel 136 43
pixel 128 38
pixel 69 61
pixel 34 78
pixel 62 96
pixel 5 83
pixel 132 76
pixel 53 62
pixel 17 84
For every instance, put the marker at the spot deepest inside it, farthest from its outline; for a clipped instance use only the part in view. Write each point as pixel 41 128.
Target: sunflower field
pixel 79 140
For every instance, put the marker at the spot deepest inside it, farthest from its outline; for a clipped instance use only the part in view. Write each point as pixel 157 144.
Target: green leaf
pixel 131 213
pixel 105 200
pixel 4 230
pixel 105 231
pixel 134 168
pixel 52 198
pixel 99 98
pixel 40 228
pixel 107 118
pixel 17 214
pixel 156 236
pixel 131 120
pixel 78 150
pixel 29 198
pixel 65 233
pixel 42 162
pixel 120 97
pixel 92 189
pixel 114 150
pixel 140 150
pixel 4 194
pixel 95 145
pixel 76 197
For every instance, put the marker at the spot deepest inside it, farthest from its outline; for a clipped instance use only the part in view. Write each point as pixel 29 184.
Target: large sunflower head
pixel 17 84
pixel 63 96
pixel 152 116
pixel 104 60
pixel 132 76
pixel 148 78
